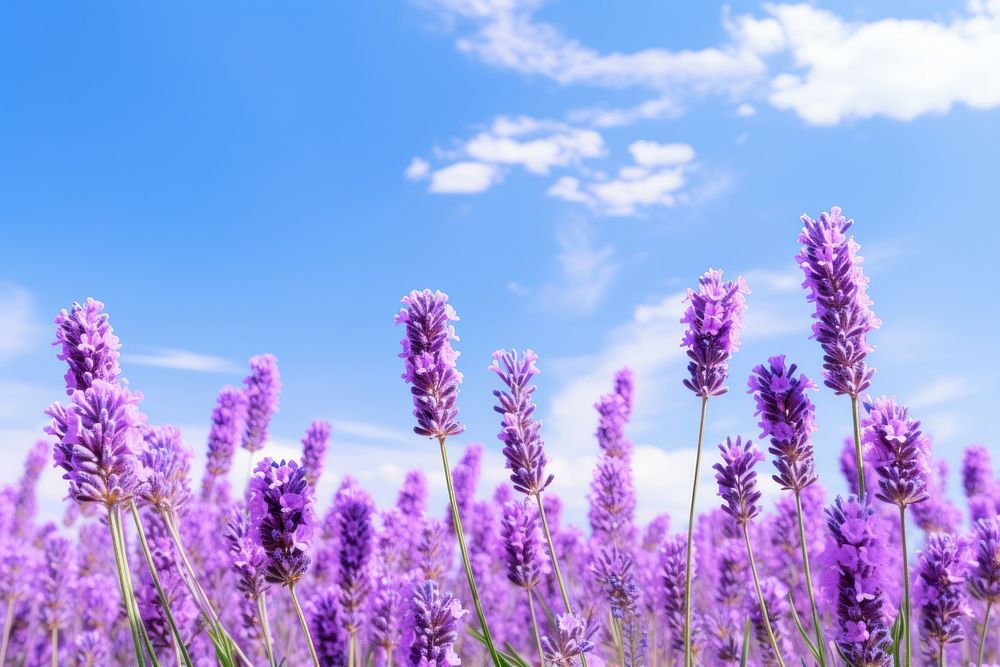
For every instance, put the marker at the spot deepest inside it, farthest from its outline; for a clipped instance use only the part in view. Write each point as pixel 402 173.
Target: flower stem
pixel 265 628
pixel 982 634
pixel 906 586
pixel 942 661
pixel 156 583
pixel 8 623
pixel 457 521
pixel 760 598
pixel 55 647
pixel 534 624
pixel 121 568
pixel 305 626
pixel 858 457
pixel 555 562
pixel 820 643
pixel 688 654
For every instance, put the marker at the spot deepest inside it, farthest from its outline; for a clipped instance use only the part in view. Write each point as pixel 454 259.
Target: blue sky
pixel 234 178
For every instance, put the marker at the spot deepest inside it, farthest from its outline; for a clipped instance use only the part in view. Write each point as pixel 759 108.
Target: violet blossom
pixel 314 446
pixel 280 502
pixel 715 319
pixel 89 345
pixel 262 388
pixel 435 626
pixel 900 452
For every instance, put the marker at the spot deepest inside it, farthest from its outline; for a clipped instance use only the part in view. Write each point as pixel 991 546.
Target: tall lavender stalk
pixel 984 580
pixel 354 509
pixel 314 445
pixel 430 370
pixel 738 488
pixel 941 575
pixel 787 419
pixel 262 389
pixel 715 319
pixel 837 285
pixel 901 458
pixel 519 531
pixel 228 422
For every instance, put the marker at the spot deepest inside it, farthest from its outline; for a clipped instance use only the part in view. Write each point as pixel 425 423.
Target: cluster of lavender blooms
pixel 144 570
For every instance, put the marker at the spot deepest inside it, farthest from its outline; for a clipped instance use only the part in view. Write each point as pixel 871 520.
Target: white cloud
pixel 587 271
pixel 464 178
pixel 655 109
pixel 19 326
pixel 942 390
pixel 418 169
pixel 652 154
pixel 183 360
pixel 745 110
pixel 537 155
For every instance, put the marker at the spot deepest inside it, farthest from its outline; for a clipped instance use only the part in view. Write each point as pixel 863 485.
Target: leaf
pixel 802 630
pixel 745 657
pixel 897 638
pixel 506 659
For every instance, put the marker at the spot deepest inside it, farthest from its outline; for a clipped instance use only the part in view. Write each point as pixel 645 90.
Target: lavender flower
pixel 613 411
pixel 787 419
pixel 167 466
pixel 521 543
pixel 387 616
pixel 465 477
pixel 900 452
pixel 984 579
pixel 429 362
pixel 314 449
pixel 519 429
pixel 326 629
pixel 282 518
pixel 937 514
pixel 774 594
pixel 412 499
pixel 941 570
pixel 573 643
pixel 57 582
pixel 99 436
pixel 852 579
pixel 612 501
pixel 672 601
pixel 837 285
pixel 434 556
pixel 715 318
pixel 246 556
pixel 737 480
pixel 981 488
pixel 354 509
pixel 435 627
pixel 89 345
pixel 228 421
pixel 25 502
pixel 262 388
pixel 92 649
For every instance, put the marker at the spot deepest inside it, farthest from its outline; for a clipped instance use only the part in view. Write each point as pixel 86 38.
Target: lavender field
pixel 156 563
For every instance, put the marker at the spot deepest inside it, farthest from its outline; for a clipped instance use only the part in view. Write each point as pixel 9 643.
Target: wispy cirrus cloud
pixel 183 360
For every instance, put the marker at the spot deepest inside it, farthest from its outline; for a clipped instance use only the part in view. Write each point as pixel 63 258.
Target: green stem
pixel 760 598
pixel 942 661
pixel 265 628
pixel 8 623
pixel 55 647
pixel 120 527
pixel 154 575
pixel 130 611
pixel 906 587
pixel 982 634
pixel 688 655
pixel 858 457
pixel 534 624
pixel 305 626
pixel 820 643
pixel 457 520
pixel 619 641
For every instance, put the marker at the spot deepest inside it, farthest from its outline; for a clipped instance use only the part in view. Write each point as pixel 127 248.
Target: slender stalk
pixel 760 598
pixel 982 634
pixel 688 655
pixel 619 640
pixel 351 655
pixel 130 610
pixel 8 623
pixel 154 575
pixel 941 659
pixel 457 520
pixel 55 647
pixel 906 587
pixel 858 457
pixel 127 571
pixel 534 625
pixel 820 643
pixel 555 562
pixel 265 628
pixel 305 626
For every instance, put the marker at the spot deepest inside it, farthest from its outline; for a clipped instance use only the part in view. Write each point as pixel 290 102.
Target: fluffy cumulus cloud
pixel 464 178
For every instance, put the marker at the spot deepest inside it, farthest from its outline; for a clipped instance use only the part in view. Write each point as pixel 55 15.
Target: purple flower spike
pixel 327 630
pixel 737 479
pixel 613 412
pixel 412 499
pixel 941 570
pixel 900 452
pixel 787 418
pixel 228 422
pixel 519 429
pixel 282 518
pixel 522 544
pixel 435 626
pixel 984 580
pixel 937 514
pixel 715 318
pixel 57 582
pixel 89 345
pixel 263 387
pixel 673 559
pixel 314 449
pixel 99 436
pixel 354 509
pixel 167 467
pixel 612 501
pixel 26 502
pixel 247 556
pixel 981 488
pixel 429 362
pixel 855 560
pixel 837 285
pixel 574 641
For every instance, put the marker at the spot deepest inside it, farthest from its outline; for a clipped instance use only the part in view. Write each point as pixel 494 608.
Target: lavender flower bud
pixel 246 556
pixel 435 627
pixel 613 412
pixel 612 501
pixel 465 477
pixel 981 488
pixel 354 508
pixel 327 630
pixel 429 362
pixel 574 641
pixel 984 579
pixel 900 452
pixel 58 580
pixel 25 501
pixel 673 565
pixel 167 466
pixel 519 429
pixel 522 545
pixel 937 514
pixel 282 518
pixel 92 649
pixel 412 499
pixel 737 480
pixel 941 571
pixel 228 422
pixel 837 285
pixel 434 556
pixel 387 617
pixel 314 449
pixel 787 418
pixel 89 345
pixel 715 319
pixel 262 388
